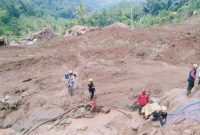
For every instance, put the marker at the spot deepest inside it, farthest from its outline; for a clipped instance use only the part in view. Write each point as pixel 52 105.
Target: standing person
pixel 70 77
pixel 198 75
pixel 91 88
pixel 142 100
pixel 191 79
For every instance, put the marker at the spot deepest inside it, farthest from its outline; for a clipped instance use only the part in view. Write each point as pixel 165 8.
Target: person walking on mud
pixel 191 79
pixel 91 88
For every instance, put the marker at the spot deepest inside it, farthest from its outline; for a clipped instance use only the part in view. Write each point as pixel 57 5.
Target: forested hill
pixel 19 18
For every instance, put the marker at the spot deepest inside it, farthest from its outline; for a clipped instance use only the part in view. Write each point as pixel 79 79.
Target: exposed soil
pixel 122 61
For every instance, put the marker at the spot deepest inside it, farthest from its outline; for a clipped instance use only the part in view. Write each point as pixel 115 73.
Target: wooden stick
pixel 61 115
pixel 29 79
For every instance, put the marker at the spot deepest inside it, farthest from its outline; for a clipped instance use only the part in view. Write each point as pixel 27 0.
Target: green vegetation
pixel 21 17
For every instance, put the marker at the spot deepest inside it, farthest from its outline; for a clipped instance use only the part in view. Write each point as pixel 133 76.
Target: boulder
pixel 77 30
pixel 43 35
pixel 10 103
pixel 195 13
pixel 105 110
pixel 46 33
pixel 3 41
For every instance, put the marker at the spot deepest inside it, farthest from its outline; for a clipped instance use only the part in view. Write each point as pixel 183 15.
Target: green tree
pixel 81 13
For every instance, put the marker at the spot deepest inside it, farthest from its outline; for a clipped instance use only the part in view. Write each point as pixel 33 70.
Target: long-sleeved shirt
pixel 198 72
pixel 91 87
pixel 192 74
pixel 143 99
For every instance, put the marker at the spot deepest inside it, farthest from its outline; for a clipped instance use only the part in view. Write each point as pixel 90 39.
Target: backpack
pixel 67 76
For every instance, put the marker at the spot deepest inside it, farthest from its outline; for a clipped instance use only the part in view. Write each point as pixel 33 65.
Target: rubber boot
pixel 188 92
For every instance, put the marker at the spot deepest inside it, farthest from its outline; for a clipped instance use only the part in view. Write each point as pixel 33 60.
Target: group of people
pixel 149 110
pixel 146 108
pixel 71 77
pixel 193 74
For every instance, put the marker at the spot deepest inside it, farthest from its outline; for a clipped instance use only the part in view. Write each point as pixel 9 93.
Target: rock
pixel 195 13
pixel 8 122
pixel 10 103
pixel 46 33
pixel 43 35
pixel 77 30
pixel 134 125
pixel 105 110
pixel 3 41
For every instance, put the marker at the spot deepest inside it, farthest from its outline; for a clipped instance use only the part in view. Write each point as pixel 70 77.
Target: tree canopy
pixel 20 17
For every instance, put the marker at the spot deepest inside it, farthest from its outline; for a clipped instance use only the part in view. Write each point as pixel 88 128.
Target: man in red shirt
pixel 142 100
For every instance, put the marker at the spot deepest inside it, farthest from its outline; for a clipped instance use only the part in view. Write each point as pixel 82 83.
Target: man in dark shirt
pixel 91 88
pixel 160 115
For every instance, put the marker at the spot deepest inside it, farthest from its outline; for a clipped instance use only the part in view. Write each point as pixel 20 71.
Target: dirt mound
pixel 43 35
pixel 77 30
pixel 116 25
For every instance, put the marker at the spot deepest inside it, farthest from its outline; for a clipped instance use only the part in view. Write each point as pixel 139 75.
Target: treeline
pixel 21 17
pixel 153 12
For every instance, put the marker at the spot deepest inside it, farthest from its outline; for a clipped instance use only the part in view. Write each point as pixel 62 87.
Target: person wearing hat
pixel 191 79
pixel 160 114
pixel 70 77
pixel 91 88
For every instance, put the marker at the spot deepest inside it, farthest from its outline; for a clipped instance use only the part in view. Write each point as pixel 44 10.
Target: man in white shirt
pixel 198 75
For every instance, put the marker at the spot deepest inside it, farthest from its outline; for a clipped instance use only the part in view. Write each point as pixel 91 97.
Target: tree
pixel 81 13
pixel 155 6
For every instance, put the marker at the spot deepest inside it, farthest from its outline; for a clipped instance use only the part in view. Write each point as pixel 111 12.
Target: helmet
pixel 144 91
pixel 195 65
pixel 163 108
pixel 90 80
